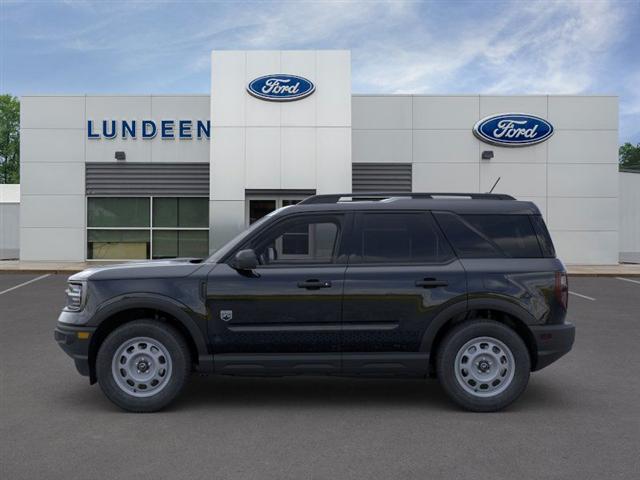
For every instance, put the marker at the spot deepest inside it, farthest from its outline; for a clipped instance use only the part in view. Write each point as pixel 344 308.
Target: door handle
pixel 314 284
pixel 431 283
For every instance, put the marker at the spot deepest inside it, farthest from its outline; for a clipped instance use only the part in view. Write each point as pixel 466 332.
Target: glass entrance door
pixel 258 207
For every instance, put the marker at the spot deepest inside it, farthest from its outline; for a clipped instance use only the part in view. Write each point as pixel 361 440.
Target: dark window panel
pixel 185 212
pixel 180 243
pixel 401 237
pixel 467 241
pixel 118 212
pixel 544 239
pixel 260 208
pixel 513 234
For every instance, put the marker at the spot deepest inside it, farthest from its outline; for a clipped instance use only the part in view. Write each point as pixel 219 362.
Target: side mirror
pixel 245 260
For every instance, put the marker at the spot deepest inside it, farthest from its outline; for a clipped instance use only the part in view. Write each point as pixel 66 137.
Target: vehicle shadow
pixel 331 392
pixel 302 393
pixel 314 392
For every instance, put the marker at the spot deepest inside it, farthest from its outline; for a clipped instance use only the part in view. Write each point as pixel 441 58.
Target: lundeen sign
pixel 148 129
pixel 513 129
pixel 281 87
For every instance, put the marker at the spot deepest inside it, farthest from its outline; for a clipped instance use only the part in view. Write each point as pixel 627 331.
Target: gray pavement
pixel 579 418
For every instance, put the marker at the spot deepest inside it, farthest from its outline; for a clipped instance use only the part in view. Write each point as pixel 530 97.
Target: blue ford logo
pixel 513 129
pixel 281 87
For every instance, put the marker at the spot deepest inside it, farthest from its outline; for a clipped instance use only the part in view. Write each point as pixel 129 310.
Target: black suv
pixel 464 287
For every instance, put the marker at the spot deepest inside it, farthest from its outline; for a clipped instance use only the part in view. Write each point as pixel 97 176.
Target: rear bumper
pixel 553 341
pixel 75 343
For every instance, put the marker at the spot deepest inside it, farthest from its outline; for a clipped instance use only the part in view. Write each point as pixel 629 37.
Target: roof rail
pixel 336 197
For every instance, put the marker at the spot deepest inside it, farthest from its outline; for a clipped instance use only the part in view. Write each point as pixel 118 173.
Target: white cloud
pixel 397 46
pixel 522 49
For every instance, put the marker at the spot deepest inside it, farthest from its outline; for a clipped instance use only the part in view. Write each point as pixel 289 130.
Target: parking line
pixel 628 280
pixel 25 283
pixel 582 296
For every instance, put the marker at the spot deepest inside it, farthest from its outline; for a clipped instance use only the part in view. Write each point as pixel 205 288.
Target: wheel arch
pixel 123 310
pixel 501 310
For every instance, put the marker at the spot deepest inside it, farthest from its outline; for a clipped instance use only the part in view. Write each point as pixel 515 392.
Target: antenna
pixel 494 185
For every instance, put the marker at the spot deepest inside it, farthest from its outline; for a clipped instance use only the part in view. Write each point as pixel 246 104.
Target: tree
pixel 9 139
pixel 629 156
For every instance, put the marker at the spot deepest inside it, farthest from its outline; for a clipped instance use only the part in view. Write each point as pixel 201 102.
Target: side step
pixel 348 364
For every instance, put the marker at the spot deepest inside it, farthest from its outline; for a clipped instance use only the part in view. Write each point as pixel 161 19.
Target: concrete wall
pixel 257 144
pixel 309 144
pixel 54 148
pixel 9 221
pixel 572 177
pixel 630 217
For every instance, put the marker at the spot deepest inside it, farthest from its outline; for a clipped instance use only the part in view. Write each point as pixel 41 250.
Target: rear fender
pixel 461 308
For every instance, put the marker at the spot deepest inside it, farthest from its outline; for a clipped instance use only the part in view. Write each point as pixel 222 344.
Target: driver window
pixel 304 240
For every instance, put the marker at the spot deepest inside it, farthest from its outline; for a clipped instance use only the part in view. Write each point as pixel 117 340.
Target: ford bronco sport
pixel 463 287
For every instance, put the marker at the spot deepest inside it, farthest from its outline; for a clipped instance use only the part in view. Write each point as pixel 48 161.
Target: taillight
pixel 562 289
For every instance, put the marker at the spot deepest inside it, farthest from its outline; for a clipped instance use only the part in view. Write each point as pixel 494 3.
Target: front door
pixel 291 303
pixel 401 274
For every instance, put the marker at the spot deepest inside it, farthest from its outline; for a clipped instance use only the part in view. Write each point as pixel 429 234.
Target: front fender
pixel 181 312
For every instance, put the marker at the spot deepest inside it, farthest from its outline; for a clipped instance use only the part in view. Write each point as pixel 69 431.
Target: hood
pixel 174 268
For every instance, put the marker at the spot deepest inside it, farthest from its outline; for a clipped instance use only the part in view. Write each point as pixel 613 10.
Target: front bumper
pixel 75 343
pixel 553 341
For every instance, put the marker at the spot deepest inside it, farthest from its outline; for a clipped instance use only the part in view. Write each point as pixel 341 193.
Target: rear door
pixel 401 274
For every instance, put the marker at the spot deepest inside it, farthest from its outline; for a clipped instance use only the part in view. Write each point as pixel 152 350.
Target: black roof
pixel 463 203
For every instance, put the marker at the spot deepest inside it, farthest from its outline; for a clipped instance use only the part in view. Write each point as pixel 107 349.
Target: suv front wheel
pixel 483 365
pixel 143 365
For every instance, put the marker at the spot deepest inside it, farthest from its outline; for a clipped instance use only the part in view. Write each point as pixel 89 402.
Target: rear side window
pixel 513 234
pixel 466 240
pixel 490 236
pixel 399 238
pixel 543 236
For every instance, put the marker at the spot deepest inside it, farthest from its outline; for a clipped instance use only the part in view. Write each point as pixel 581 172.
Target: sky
pixel 437 47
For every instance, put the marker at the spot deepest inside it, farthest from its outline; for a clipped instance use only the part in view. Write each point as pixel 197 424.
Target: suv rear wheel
pixel 143 365
pixel 483 365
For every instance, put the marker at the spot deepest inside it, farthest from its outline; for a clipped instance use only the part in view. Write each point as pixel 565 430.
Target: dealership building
pixel 120 177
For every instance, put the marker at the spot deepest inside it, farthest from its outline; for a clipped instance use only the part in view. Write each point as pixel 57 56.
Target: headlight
pixel 75 298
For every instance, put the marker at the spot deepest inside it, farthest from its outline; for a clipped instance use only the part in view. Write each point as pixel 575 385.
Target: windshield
pixel 227 247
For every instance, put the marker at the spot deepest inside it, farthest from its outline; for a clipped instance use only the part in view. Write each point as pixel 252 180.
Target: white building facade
pixel 119 177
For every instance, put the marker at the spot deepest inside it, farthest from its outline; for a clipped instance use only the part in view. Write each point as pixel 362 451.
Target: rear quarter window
pixel 491 235
pixel 546 245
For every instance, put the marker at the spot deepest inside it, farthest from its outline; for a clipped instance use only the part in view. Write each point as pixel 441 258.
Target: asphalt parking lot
pixel 579 418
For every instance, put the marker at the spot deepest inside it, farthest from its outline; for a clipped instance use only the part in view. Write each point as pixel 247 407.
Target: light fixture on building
pixel 487 155
pixel 121 156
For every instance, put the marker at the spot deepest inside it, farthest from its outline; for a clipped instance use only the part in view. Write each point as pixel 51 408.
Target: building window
pixel 117 244
pixel 118 212
pixel 186 212
pixel 180 243
pixel 135 228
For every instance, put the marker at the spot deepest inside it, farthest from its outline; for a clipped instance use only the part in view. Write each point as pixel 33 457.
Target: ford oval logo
pixel 513 129
pixel 281 87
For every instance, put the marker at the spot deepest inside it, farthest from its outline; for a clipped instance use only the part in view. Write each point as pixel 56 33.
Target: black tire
pixel 180 362
pixel 452 344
